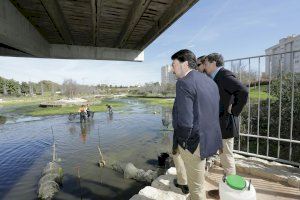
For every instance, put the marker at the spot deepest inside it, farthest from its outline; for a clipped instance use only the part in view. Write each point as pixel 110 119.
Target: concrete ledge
pixel 268 170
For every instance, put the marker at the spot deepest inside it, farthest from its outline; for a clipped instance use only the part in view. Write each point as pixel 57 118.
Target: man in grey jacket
pixel 197 133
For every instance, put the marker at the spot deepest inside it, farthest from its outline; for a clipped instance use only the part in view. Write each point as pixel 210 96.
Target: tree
pixel 70 88
pixel 24 88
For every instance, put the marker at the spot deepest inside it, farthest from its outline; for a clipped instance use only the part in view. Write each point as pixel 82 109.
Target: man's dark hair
pixel 186 55
pixel 218 58
pixel 201 59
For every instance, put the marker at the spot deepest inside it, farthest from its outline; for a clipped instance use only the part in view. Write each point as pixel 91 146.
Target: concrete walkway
pixel 163 188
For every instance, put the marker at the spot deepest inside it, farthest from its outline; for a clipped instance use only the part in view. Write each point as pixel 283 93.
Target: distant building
pixel 167 76
pixel 288 44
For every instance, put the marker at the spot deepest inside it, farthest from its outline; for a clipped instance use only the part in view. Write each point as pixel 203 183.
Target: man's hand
pixel 229 109
pixel 174 151
pixel 221 151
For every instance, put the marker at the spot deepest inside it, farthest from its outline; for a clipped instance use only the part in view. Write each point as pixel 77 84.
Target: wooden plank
pixel 53 9
pixel 177 9
pixel 133 18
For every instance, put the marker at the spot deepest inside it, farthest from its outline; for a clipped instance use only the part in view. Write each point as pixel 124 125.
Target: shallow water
pixel 133 134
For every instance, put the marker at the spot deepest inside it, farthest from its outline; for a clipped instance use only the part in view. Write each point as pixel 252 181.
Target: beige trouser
pixel 190 171
pixel 227 157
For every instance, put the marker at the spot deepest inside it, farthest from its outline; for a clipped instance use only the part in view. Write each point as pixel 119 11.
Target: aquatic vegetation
pixel 51 179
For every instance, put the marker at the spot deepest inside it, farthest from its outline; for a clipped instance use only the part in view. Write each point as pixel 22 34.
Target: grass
pixel 21 101
pixel 254 94
pixel 30 106
pixel 158 101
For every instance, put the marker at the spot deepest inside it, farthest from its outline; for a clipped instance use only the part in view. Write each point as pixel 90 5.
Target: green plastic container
pixel 236 182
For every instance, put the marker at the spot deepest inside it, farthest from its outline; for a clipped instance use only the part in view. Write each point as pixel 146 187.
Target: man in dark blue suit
pixel 233 98
pixel 197 133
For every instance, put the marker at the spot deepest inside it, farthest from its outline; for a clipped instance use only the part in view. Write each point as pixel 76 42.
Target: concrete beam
pixel 17 32
pixel 133 18
pixel 99 7
pixel 178 8
pixel 94 19
pixel 8 51
pixel 58 19
pixel 95 53
pixel 96 6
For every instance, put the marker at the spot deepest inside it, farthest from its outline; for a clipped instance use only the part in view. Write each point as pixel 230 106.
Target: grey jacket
pixel 196 114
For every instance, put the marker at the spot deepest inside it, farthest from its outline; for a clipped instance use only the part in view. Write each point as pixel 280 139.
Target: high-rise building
pixel 285 60
pixel 167 76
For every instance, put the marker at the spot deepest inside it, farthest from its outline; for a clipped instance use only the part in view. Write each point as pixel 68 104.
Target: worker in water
pixel 109 108
pixel 83 113
pixel 88 111
pixel 82 109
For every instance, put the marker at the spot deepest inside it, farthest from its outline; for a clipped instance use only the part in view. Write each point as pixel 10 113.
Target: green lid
pixel 236 182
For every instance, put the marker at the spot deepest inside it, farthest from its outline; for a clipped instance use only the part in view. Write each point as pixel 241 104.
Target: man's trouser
pixel 227 157
pixel 190 171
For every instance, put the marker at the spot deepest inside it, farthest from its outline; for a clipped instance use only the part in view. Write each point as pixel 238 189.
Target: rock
pixel 171 171
pixel 154 193
pixel 166 182
pixel 132 172
pixel 294 181
pixel 139 197
pixel 119 167
pixel 150 175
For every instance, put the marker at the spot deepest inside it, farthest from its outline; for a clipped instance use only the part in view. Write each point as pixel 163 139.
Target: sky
pixel 234 28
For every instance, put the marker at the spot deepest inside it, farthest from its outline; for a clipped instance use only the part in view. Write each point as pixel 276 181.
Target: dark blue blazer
pixel 231 91
pixel 196 114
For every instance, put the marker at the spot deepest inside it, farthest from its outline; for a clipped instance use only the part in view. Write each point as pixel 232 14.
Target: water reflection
pixel 2 119
pixel 166 117
pixel 84 130
pixel 110 117
pixel 72 129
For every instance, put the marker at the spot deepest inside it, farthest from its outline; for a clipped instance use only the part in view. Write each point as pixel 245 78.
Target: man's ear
pixel 186 64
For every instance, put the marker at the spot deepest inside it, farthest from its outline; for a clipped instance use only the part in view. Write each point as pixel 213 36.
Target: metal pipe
pixel 292 108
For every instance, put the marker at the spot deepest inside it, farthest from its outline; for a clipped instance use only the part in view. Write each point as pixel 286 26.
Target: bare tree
pixel 70 88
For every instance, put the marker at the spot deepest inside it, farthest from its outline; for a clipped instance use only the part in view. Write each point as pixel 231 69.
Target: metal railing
pixel 269 125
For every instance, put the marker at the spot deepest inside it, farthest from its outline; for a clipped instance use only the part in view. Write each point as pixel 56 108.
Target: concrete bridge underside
pixel 85 29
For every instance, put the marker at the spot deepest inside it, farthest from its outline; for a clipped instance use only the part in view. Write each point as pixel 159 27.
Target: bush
pixel 285 125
